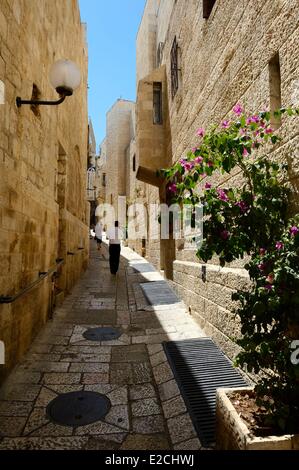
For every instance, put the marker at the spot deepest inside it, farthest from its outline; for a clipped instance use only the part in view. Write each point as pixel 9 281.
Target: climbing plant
pixel 251 218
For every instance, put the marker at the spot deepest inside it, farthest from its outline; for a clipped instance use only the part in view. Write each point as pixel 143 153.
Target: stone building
pixel 195 61
pixel 101 172
pixel 117 168
pixel 119 134
pixel 43 161
pixel 91 176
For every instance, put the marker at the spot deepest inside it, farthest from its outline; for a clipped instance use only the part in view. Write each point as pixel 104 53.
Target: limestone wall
pixel 222 60
pixel 118 137
pixel 43 159
pixel 146 40
pixel 102 170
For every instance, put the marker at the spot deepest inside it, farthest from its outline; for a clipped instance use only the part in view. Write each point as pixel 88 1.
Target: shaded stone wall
pixel 118 137
pixel 222 60
pixel 43 159
pixel 101 170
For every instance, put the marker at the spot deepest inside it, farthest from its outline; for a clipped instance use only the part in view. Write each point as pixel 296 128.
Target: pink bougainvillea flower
pixel 210 164
pixel 224 234
pixel 200 132
pixel 186 165
pixel 294 230
pixel 198 160
pixel 262 266
pixel 268 287
pixel 194 149
pixel 245 152
pixel 222 195
pixel 279 245
pixel 237 109
pixel 263 251
pixel 255 118
pixel 172 188
pixel 208 186
pixel 225 124
pixel 242 131
pixel 269 130
pixel 270 278
pixel 243 206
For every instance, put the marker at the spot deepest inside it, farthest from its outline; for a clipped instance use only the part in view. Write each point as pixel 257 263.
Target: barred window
pixel 160 53
pixel 174 68
pixel 207 7
pixel 157 103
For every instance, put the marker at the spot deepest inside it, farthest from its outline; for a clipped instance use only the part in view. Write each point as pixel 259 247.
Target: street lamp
pixel 64 76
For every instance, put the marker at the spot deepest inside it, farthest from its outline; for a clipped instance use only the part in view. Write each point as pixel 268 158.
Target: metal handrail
pixel 6 299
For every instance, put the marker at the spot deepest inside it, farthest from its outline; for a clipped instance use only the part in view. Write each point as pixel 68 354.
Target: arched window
pixel 134 163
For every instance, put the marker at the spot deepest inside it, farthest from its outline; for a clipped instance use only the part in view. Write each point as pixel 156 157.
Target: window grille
pixel 91 173
pixel 174 68
pixel 160 53
pixel 157 103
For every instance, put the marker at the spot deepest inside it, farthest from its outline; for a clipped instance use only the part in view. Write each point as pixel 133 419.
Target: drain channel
pixel 78 408
pixel 200 367
pixel 102 334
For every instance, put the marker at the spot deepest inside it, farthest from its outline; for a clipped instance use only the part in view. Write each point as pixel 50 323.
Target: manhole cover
pixel 78 408
pixel 101 334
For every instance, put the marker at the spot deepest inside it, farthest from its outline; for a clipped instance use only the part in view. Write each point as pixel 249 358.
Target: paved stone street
pixel 147 409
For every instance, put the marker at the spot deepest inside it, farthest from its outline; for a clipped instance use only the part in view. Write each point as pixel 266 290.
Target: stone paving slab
pixel 147 410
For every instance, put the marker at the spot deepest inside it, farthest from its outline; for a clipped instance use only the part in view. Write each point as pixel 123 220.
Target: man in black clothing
pixel 114 235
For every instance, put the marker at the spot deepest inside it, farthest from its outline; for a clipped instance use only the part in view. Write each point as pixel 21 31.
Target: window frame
pixel 157 103
pixel 174 58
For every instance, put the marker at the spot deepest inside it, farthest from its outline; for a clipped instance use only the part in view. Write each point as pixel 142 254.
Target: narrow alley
pixel 147 410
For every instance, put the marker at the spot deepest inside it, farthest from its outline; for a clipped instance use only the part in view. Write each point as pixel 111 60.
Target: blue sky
pixel 112 27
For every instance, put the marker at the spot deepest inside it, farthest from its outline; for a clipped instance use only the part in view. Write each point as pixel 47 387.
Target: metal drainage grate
pixel 159 293
pixel 78 408
pixel 102 334
pixel 143 267
pixel 200 367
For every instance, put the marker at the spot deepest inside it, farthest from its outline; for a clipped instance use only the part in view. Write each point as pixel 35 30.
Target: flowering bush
pixel 251 219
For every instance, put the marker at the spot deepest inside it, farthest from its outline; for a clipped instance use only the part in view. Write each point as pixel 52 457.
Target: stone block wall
pixel 43 159
pixel 118 138
pixel 222 60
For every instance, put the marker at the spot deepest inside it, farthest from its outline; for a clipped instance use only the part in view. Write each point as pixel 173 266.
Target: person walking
pixel 98 234
pixel 114 235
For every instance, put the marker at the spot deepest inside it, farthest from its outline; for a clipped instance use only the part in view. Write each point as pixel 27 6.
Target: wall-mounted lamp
pixel 64 76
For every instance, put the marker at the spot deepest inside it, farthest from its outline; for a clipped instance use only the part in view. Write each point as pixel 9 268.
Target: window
pixel 207 7
pixel 104 179
pixel 134 163
pixel 157 103
pixel 275 90
pixel 160 54
pixel 174 68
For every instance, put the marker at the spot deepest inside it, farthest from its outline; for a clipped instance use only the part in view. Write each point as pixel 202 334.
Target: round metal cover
pixel 102 334
pixel 78 408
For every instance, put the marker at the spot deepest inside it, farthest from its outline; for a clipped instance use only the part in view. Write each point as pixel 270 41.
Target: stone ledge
pixel 233 434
